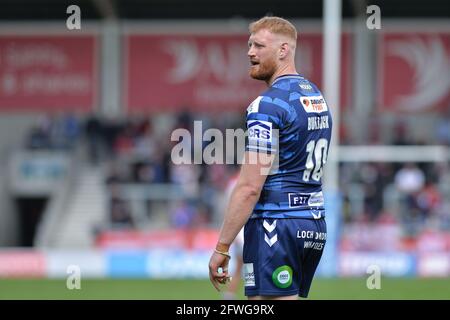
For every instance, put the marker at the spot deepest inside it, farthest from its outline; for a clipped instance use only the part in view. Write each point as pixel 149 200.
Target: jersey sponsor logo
pixel 249 275
pixel 313 245
pixel 282 276
pixel 316 199
pixel 259 130
pixel 314 104
pixel 254 106
pixel 298 200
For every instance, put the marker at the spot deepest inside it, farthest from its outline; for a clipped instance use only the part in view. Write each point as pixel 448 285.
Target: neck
pixel 283 70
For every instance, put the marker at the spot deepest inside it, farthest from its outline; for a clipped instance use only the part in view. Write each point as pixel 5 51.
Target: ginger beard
pixel 263 70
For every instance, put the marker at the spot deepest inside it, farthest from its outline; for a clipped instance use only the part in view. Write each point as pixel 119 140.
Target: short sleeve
pixel 264 121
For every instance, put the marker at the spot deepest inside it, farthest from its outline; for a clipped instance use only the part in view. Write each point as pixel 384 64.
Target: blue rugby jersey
pixel 291 119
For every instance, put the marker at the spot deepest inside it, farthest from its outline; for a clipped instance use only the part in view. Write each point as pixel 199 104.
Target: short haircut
pixel 275 25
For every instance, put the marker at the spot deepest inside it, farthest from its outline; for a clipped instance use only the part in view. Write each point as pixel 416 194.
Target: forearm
pixel 241 204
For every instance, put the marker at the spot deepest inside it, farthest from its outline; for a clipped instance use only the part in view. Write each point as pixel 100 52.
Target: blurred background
pixel 86 117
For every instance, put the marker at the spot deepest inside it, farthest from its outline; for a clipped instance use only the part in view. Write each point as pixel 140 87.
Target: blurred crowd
pixel 409 198
pixel 136 153
pixel 54 132
pixel 136 150
pixel 392 205
pixel 406 198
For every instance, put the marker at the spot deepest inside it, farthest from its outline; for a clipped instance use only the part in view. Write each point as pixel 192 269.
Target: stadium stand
pixel 86 118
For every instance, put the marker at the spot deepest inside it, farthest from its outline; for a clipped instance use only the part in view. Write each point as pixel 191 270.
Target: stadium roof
pixel 19 10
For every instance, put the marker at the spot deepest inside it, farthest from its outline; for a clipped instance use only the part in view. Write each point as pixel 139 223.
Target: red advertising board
pixel 196 239
pixel 49 73
pixel 414 72
pixel 208 72
pixel 22 263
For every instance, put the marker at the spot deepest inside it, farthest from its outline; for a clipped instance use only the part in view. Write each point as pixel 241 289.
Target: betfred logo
pixel 315 104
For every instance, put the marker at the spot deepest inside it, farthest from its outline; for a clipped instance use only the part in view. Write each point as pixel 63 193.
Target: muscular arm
pixel 244 196
pixel 243 199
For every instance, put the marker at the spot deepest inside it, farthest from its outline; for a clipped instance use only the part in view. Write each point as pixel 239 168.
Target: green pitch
pixel 138 289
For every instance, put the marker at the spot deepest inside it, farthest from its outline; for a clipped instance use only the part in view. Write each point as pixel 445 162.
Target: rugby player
pixel 282 208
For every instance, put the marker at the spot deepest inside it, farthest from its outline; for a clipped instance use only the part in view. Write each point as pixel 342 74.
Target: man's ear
pixel 284 50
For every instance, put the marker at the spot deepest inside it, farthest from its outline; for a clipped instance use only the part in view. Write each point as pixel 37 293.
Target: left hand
pixel 218 260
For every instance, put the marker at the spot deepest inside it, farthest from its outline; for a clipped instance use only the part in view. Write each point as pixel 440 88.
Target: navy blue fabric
pixel 282 244
pixel 291 119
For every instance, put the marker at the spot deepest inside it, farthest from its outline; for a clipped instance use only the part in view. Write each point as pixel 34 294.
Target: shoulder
pixel 307 87
pixel 269 107
pixel 271 101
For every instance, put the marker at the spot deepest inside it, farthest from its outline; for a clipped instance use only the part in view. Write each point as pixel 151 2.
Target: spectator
pixel 93 131
pixel 409 179
pixel 443 130
pixel 183 215
pixel 120 210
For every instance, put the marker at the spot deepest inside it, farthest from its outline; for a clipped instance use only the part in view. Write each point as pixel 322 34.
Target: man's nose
pixel 250 52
